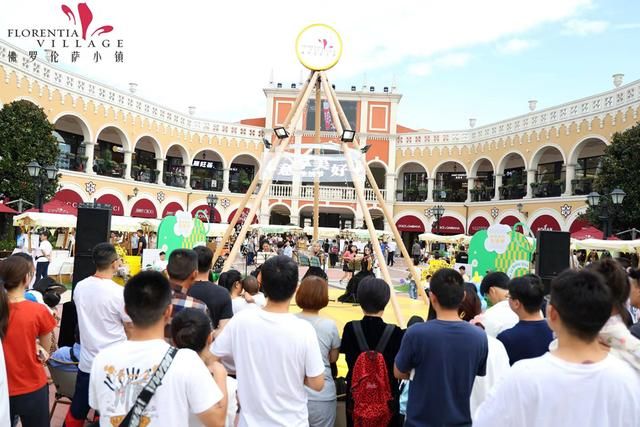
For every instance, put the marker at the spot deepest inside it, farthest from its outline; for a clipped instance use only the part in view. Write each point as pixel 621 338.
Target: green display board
pixel 181 231
pixel 500 248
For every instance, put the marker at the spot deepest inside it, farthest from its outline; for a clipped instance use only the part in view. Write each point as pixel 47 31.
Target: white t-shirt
pixel 43 253
pixel 121 371
pixel 497 368
pixel 271 354
pixel 4 391
pixel 391 246
pixel 548 391
pixel 499 318
pixel 101 317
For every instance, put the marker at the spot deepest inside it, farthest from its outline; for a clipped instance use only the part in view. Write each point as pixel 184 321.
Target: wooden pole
pixel 252 187
pixel 299 107
pixel 316 179
pixel 388 216
pixel 363 205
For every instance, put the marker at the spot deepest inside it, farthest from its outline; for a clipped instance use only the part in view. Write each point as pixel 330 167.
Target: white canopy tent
pixel 323 232
pixel 274 229
pixel 609 245
pixel 215 229
pixel 51 220
pixel 456 238
pixel 362 234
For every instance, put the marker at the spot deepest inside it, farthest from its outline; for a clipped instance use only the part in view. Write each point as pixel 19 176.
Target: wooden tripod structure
pixel 319 81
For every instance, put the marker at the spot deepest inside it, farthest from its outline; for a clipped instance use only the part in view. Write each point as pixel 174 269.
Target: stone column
pixel 470 185
pixel 187 176
pixel 570 176
pixel 128 159
pixel 390 187
pixel 89 152
pixel 160 168
pixel 531 178
pixel 225 180
pixel 430 187
pixel 496 195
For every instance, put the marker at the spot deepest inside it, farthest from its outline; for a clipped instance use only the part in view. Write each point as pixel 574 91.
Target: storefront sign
pixel 410 223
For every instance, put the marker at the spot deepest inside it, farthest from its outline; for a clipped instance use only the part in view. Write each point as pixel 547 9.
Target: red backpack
pixel 370 389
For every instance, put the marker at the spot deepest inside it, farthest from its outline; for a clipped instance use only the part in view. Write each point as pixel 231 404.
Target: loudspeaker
pixel 93 227
pixel 552 253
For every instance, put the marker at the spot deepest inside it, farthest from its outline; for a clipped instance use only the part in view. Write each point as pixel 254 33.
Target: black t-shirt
pixel 216 298
pixel 373 327
pixel 142 242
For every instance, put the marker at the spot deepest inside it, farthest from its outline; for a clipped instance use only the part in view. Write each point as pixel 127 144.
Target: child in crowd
pixel 191 328
pixel 250 297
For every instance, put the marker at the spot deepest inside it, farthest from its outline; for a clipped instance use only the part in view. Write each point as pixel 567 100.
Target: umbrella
pixel 590 233
pixel 57 207
pixel 4 209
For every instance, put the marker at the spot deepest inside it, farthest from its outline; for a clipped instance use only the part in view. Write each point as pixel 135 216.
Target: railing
pixel 280 190
pixel 329 193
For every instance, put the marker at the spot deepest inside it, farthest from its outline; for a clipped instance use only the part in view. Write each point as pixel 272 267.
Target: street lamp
pixel 36 172
pixel 212 200
pixel 438 212
pixel 607 208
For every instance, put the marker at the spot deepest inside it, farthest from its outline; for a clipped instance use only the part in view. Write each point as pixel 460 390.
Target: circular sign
pixel 318 47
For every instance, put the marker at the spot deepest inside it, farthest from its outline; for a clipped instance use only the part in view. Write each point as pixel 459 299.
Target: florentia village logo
pixel 81 40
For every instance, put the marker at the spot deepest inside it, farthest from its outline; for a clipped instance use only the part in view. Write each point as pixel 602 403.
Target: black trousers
pixel 390 256
pixel 32 409
pixel 42 268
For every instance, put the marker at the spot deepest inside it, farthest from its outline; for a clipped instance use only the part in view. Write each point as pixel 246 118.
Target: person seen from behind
pixel 144 378
pixel 603 389
pixel 446 354
pixel 499 316
pixel 23 324
pixel 191 328
pixel 273 353
pixel 531 336
pixel 312 296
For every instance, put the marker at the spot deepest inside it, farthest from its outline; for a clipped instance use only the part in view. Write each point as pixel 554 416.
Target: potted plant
pixel 535 189
pixel 135 172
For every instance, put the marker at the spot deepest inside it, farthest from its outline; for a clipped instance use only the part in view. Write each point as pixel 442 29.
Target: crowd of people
pixel 175 348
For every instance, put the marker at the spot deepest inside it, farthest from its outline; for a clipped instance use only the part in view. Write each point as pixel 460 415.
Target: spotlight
pixel 266 143
pixel 279 85
pixel 293 85
pixel 348 135
pixel 281 132
pixel 386 89
pixel 364 149
pixel 353 88
pixel 372 89
pixel 333 87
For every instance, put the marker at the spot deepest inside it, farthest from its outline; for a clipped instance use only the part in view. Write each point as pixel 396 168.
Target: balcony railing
pixel 280 190
pixel 547 189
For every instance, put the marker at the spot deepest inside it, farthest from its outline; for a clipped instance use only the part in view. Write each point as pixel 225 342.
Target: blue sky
pixel 451 60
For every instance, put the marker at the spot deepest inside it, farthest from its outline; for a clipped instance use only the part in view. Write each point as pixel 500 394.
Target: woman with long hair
pixel 27 322
pixel 367 260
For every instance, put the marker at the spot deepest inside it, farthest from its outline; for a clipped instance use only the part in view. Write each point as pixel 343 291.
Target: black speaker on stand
pixel 553 254
pixel 92 227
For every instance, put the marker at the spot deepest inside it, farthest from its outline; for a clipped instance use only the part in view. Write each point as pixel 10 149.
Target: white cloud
pixel 218 56
pixel 420 69
pixel 516 46
pixel 453 60
pixel 584 27
pixel 632 26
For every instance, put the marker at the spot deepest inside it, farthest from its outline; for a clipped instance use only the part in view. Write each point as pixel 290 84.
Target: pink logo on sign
pixel 86 17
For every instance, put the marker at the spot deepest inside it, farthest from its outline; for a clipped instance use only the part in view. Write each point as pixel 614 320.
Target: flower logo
pixel 160 196
pixel 428 213
pixel 565 210
pixel 184 224
pixel 495 212
pixel 86 17
pixel 90 187
pixel 225 203
pixel 498 238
